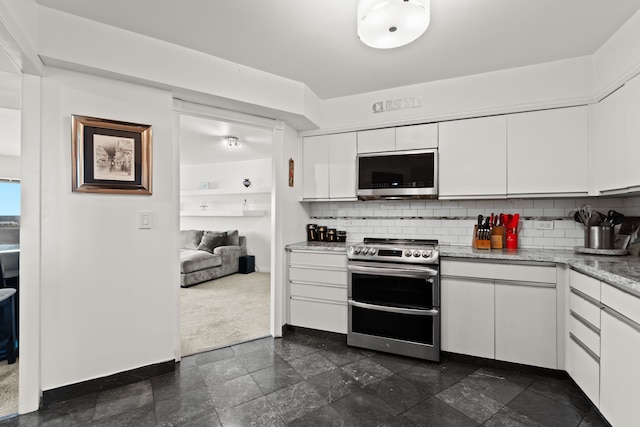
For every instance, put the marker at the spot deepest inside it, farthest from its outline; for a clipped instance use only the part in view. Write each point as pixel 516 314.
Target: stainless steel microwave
pixel 398 175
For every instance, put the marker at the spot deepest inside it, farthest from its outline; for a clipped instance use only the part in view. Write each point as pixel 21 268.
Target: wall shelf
pixel 226 191
pixel 234 212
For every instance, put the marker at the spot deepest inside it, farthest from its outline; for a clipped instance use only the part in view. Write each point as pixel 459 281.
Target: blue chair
pixel 8 338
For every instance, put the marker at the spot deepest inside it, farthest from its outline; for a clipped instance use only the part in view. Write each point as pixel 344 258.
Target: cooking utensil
pixel 595 219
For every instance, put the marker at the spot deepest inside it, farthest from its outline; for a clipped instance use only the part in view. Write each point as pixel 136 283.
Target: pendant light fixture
pixel 385 24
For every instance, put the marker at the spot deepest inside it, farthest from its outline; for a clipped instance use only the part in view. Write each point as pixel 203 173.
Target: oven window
pixel 406 327
pixel 408 292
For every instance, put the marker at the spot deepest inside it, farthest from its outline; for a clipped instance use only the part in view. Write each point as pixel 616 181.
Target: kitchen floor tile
pixel 471 402
pixel 323 382
pixel 436 413
pixel 545 410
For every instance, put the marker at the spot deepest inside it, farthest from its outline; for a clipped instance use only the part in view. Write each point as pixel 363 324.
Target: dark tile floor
pixel 310 379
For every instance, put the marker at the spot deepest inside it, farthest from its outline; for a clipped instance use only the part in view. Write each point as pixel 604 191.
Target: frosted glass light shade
pixel 385 24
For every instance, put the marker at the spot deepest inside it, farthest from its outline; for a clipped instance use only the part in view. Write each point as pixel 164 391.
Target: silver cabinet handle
pixel 621 317
pixel 584 347
pixel 399 310
pixel 404 271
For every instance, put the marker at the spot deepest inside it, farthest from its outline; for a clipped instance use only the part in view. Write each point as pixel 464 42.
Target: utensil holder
pixel 598 237
pixel 512 240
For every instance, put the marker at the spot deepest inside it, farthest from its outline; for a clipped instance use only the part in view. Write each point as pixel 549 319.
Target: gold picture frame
pixel 110 156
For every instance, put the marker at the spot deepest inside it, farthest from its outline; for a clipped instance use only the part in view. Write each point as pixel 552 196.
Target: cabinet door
pixel 342 166
pixel 611 141
pixel 526 324
pixel 619 369
pixel 417 137
pixel 377 140
pixel 632 149
pixel 315 167
pixel 548 152
pixel 467 308
pixel 473 157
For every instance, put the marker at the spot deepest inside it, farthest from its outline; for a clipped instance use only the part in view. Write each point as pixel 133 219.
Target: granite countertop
pixel 622 272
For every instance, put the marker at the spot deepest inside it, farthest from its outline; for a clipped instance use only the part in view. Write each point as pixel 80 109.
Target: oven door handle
pixel 399 310
pixel 405 270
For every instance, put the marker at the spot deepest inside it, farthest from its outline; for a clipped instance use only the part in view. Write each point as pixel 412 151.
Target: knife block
pixel 497 237
pixel 479 243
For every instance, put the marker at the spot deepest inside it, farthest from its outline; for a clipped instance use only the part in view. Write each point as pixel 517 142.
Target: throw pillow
pixel 211 240
pixel 233 239
pixel 190 239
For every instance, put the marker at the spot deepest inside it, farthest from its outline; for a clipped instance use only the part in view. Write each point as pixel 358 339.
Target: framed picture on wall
pixel 109 156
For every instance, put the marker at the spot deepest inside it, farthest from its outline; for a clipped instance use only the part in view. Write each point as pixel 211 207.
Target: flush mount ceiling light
pixel 232 142
pixel 385 24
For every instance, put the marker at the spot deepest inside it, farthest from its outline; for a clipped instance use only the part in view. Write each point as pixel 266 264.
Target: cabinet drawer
pixel 588 336
pixel 585 284
pixel 320 259
pixel 317 275
pixel 330 293
pixel 584 369
pixel 323 316
pixel 626 304
pixel 496 271
pixel 585 309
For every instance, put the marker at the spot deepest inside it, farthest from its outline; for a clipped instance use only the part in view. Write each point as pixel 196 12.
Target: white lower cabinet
pixel 526 323
pixel 619 357
pixel 318 290
pixel 467 322
pixel 500 311
pixel 584 367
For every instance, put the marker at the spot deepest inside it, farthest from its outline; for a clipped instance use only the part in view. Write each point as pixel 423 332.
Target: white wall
pixel 108 288
pixel 230 176
pixel 618 59
pixel 9 167
pixel 62 40
pixel 552 84
pixel 290 218
pixel 452 221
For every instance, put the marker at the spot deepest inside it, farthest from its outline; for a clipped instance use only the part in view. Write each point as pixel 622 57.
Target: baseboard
pixel 68 392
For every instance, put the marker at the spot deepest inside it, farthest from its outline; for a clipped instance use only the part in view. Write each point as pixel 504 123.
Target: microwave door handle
pixel 399 310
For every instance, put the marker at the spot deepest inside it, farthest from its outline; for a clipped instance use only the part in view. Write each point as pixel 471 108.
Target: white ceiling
pixel 202 141
pixel 315 41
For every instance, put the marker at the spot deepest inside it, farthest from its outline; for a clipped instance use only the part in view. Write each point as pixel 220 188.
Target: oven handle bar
pixel 398 310
pixel 394 271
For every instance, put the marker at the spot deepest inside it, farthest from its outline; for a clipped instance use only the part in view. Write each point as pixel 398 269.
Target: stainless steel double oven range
pixel 394 296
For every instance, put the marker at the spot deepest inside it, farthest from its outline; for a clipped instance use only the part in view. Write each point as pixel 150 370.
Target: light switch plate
pixel 145 220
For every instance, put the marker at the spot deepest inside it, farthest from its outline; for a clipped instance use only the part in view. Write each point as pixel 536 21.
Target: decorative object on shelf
pixel 385 24
pixel 291 166
pixel 232 142
pixel 109 156
pixel 246 182
pixel 204 185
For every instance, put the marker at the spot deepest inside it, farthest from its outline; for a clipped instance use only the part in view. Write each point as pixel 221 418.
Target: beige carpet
pixel 8 388
pixel 224 311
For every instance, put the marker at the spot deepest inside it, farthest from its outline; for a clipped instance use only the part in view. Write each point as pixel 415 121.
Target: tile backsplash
pixel 451 222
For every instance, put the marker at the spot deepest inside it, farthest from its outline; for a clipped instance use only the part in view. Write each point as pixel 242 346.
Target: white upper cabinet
pixel 417 137
pixel 473 158
pixel 618 139
pixel 342 166
pixel 329 167
pixel 377 140
pixel 548 152
pixel 315 167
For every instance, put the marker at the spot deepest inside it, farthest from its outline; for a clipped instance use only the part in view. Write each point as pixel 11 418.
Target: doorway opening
pixel 226 190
